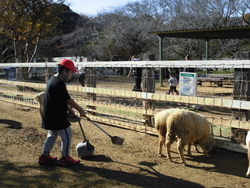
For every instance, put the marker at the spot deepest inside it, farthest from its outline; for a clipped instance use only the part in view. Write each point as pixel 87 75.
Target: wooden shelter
pixel 241 77
pixel 205 33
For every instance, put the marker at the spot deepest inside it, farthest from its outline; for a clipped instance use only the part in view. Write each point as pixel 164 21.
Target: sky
pixel 92 7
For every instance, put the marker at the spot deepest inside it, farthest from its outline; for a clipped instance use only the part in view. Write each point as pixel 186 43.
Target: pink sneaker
pixel 68 161
pixel 46 160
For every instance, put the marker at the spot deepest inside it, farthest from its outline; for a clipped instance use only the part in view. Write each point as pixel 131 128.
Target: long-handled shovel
pixel 84 149
pixel 115 139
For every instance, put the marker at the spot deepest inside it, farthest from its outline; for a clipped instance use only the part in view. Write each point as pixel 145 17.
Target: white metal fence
pixel 111 99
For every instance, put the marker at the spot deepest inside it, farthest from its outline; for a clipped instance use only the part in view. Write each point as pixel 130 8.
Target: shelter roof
pixel 207 33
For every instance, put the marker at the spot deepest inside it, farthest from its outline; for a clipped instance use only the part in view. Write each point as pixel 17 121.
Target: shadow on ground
pixel 82 175
pixel 11 124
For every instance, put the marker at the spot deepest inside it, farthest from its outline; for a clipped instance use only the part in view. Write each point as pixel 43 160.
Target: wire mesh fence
pixel 109 95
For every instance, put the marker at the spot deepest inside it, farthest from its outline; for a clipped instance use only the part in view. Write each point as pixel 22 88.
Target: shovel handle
pixel 84 137
pixel 99 127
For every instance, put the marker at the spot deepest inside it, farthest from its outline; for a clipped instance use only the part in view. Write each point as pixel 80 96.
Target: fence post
pixel 21 74
pixel 241 91
pixel 19 71
pixel 48 71
pixel 90 73
pixel 148 86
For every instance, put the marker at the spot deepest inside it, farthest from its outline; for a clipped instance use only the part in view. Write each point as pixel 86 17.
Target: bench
pixel 230 77
pixel 215 78
pixel 217 81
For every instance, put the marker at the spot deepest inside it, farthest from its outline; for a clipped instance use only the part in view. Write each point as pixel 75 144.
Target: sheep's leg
pixel 41 110
pixel 248 152
pixel 41 105
pixel 196 148
pixel 161 142
pixel 160 148
pixel 169 141
pixel 180 151
pixel 248 170
pixel 168 144
pixel 204 150
pixel 189 150
pixel 40 98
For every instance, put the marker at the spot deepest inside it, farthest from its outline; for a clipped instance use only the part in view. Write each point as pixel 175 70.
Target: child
pixel 54 115
pixel 172 83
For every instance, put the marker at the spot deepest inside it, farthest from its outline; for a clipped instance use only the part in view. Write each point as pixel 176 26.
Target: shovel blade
pixel 84 149
pixel 117 140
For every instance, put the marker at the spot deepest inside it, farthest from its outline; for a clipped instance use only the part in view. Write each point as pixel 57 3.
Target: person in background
pixel 187 57
pixel 54 116
pixel 82 73
pixel 172 84
pixel 137 75
pixel 188 69
pixel 175 72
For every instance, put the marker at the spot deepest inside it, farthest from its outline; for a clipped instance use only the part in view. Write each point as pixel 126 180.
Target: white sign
pixel 188 84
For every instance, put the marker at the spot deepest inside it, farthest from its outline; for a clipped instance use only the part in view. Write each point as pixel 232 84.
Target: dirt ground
pixel 134 164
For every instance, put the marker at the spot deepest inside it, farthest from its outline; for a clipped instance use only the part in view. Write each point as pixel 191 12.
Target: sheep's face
pixel 210 143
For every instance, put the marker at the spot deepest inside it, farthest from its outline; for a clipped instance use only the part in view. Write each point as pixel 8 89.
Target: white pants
pixel 66 136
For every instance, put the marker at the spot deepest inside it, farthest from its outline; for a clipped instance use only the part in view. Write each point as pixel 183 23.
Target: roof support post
pixel 207 53
pixel 160 58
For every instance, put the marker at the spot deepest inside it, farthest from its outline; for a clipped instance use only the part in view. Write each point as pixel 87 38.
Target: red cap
pixel 68 64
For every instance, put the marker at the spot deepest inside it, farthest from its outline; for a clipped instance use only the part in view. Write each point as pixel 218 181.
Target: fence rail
pixel 206 101
pixel 136 116
pixel 222 64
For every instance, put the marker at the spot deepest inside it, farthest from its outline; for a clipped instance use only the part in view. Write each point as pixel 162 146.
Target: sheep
pixel 161 127
pixel 248 147
pixel 40 98
pixel 187 127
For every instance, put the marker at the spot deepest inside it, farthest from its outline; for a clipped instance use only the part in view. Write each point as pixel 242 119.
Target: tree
pixel 69 40
pixel 126 32
pixel 7 50
pixel 194 14
pixel 78 42
pixel 25 22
